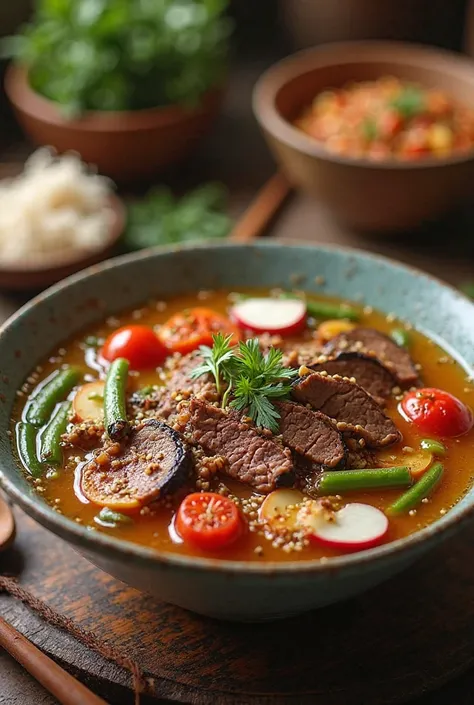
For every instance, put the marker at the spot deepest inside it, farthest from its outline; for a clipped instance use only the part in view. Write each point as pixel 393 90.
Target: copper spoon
pixel 66 689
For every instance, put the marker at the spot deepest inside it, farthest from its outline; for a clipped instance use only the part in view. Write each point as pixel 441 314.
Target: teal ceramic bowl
pixel 220 588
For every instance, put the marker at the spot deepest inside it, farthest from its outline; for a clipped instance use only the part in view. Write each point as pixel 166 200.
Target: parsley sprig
pixel 251 379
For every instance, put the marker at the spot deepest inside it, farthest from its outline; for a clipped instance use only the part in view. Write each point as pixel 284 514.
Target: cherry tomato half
pixel 138 344
pixel 208 520
pixel 186 331
pixel 437 412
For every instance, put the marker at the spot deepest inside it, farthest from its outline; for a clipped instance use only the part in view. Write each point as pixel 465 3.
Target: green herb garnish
pixel 369 129
pixel 214 360
pixel 251 379
pixel 409 102
pixel 162 219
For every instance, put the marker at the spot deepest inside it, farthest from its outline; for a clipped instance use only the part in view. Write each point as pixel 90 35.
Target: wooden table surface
pixel 236 155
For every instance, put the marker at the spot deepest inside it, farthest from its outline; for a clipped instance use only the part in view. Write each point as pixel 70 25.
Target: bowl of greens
pixel 131 87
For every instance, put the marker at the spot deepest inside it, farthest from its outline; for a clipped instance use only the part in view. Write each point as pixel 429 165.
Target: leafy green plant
pixel 123 54
pixel 162 219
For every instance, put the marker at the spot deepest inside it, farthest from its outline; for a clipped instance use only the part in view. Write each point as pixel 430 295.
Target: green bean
pixel 110 518
pixel 325 310
pixel 338 481
pixel 435 447
pixel 401 337
pixel 424 487
pixel 115 408
pixel 26 444
pixel 318 309
pixel 51 451
pixel 42 404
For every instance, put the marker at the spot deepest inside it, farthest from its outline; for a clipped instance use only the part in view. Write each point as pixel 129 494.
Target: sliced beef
pixel 349 405
pixel 178 385
pixel 152 461
pixel 375 344
pixel 311 434
pixel 251 457
pixel 368 372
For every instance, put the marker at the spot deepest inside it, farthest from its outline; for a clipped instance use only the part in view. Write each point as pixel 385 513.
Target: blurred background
pixel 157 97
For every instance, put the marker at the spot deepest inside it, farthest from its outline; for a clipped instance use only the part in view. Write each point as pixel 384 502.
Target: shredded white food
pixel 55 209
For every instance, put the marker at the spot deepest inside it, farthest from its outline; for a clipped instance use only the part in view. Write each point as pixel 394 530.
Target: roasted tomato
pixel 208 520
pixel 437 412
pixel 188 330
pixel 137 344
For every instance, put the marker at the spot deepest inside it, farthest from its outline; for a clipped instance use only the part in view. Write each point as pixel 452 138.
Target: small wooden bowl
pixel 33 275
pixel 127 146
pixel 364 194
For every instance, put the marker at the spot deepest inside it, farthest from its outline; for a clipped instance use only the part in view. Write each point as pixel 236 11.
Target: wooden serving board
pixel 406 636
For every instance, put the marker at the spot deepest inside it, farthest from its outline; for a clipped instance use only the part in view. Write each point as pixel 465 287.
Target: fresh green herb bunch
pixel 162 219
pixel 251 379
pixel 123 54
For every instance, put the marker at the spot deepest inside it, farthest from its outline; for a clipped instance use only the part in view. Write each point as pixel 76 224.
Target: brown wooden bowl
pixel 126 146
pixel 366 195
pixel 36 275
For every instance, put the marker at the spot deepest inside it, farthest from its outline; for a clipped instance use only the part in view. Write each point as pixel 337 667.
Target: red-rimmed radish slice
pixel 88 404
pixel 265 315
pixel 280 509
pixel 355 527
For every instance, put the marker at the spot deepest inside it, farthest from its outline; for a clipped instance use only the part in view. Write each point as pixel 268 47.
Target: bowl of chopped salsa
pixel 381 133
pixel 231 444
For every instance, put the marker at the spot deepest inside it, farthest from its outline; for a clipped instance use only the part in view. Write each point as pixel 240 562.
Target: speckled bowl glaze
pixel 215 587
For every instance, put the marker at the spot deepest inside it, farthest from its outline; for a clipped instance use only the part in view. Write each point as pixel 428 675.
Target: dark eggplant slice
pixel 153 461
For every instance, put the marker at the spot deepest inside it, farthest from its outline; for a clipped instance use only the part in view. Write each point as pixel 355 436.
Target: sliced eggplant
pixel 153 461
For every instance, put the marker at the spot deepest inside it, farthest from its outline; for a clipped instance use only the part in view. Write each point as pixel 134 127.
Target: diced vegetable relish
pixel 389 118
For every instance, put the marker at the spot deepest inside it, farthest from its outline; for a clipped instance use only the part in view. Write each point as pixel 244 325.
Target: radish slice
pixel 281 316
pixel 355 527
pixel 88 404
pixel 280 509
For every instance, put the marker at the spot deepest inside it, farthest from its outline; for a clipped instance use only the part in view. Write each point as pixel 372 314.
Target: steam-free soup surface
pixel 153 524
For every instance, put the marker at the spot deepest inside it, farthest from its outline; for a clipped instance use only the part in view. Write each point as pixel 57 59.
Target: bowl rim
pixel 57 264
pixel 26 100
pixel 92 542
pixel 281 73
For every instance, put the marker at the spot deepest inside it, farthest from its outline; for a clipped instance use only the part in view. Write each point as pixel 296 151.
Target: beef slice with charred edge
pixel 251 458
pixel 154 460
pixel 375 344
pixel 368 372
pixel 349 405
pixel 312 434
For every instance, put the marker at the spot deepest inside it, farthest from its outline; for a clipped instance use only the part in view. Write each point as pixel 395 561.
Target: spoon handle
pixel 262 209
pixel 66 689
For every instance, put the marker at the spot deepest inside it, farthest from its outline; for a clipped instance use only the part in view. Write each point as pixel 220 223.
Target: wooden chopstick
pixel 263 208
pixel 52 677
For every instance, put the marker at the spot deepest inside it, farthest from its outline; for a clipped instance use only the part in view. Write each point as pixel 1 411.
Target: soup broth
pixel 153 524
